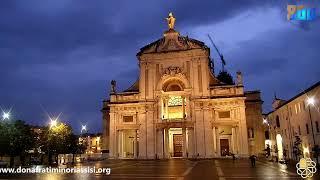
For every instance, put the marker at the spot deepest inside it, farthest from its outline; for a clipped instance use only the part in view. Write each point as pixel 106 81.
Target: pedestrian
pixel 253 160
pixel 233 157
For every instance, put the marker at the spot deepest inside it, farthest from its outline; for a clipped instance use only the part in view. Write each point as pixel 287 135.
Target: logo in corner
pixel 300 13
pixel 306 168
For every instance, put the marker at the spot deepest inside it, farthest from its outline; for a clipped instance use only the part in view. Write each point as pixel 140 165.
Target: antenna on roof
pixel 223 62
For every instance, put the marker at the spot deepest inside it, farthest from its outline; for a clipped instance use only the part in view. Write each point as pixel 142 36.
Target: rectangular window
pixel 307 128
pixel 157 72
pixel 278 121
pixel 317 126
pixel 127 118
pixel 266 135
pixel 188 69
pixel 290 111
pixel 224 114
pixel 147 82
pixel 299 130
pixel 200 78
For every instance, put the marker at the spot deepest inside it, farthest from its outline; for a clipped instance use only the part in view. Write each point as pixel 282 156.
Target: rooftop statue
pixel 171 20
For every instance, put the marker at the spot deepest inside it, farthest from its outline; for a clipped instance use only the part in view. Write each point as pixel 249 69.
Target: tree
pixel 74 147
pixel 225 77
pixel 297 147
pixel 4 140
pixel 57 140
pixel 16 138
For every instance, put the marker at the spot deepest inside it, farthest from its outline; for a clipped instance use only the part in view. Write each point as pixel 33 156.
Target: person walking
pixel 253 160
pixel 233 157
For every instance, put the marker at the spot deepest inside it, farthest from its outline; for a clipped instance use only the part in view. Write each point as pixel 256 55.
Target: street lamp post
pixel 53 123
pixel 6 115
pixel 83 128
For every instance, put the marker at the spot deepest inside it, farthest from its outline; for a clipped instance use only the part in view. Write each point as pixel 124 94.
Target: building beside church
pixel 92 142
pixel 178 108
pixel 298 117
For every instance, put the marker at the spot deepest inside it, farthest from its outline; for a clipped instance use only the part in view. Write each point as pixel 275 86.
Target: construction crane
pixel 223 62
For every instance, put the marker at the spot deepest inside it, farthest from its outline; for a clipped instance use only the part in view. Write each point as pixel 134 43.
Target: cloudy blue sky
pixel 60 55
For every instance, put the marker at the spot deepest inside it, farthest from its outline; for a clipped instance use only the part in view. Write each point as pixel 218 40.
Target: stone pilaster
pixel 142 136
pixel 233 140
pixel 184 146
pixel 160 143
pixel 214 141
pixel 190 142
pixel 166 143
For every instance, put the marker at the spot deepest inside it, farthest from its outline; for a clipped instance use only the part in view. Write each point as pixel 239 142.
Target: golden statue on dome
pixel 171 20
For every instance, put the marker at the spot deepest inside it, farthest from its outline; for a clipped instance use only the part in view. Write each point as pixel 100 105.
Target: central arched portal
pixel 173 100
pixel 174 109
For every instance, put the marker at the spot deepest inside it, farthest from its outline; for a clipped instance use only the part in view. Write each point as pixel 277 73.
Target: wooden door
pixel 224 147
pixel 177 145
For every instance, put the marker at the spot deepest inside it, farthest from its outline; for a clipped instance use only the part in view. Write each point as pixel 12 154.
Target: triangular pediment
pixel 172 41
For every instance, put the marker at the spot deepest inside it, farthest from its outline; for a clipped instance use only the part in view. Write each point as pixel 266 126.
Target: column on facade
pixel 120 143
pixel 183 107
pixel 159 110
pixel 184 146
pixel 162 108
pixel 244 147
pixel 190 142
pixel 112 137
pixel 214 140
pixel 237 140
pixel 188 107
pixel 160 145
pixel 142 136
pixel 166 143
pixel 187 111
pixel 218 142
pixel 166 115
pixel 233 139
pixel 135 144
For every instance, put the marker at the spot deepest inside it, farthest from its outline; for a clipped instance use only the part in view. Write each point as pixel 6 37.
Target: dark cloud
pixel 284 62
pixel 59 56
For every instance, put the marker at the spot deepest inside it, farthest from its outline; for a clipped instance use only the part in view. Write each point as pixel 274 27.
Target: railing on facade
pixel 174 122
pixel 174 119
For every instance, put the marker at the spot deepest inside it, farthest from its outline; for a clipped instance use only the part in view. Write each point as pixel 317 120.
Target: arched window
pixel 278 121
pixel 173 85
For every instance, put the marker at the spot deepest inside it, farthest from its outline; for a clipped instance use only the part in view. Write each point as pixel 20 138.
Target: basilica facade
pixel 178 108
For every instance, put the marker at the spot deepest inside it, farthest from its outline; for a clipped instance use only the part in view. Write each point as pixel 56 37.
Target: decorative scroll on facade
pixel 172 71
